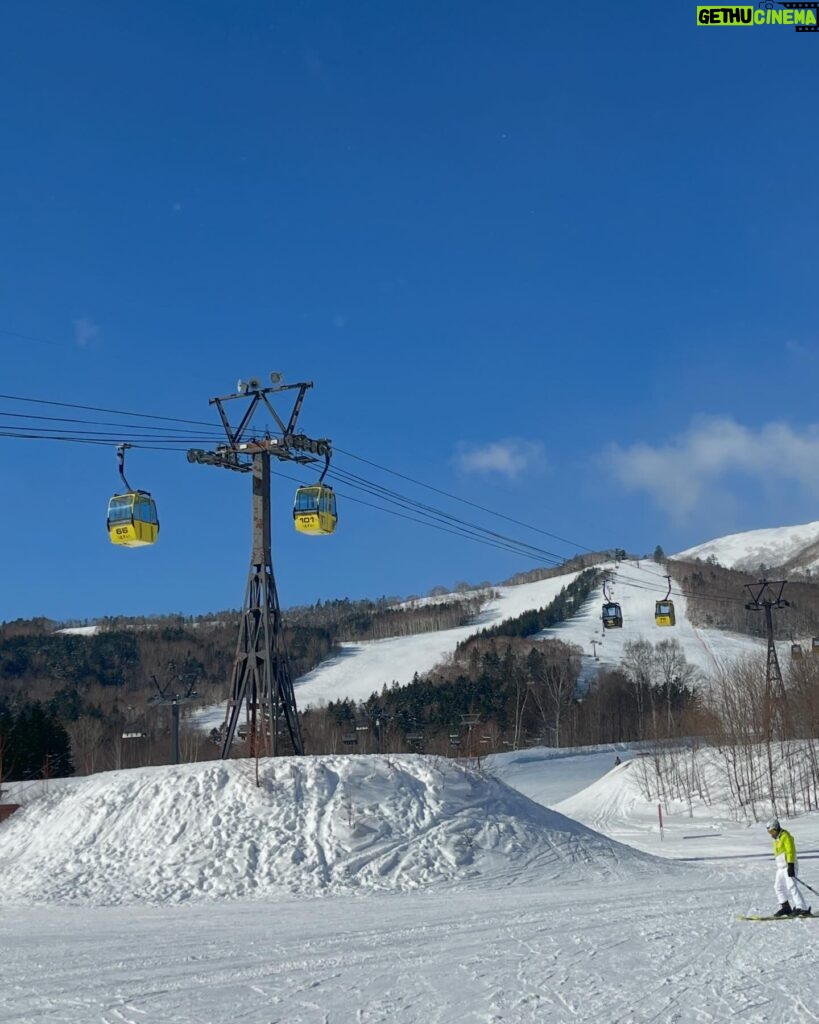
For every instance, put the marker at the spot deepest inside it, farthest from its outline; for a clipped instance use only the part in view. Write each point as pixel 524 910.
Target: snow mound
pixel 314 825
pixel 615 801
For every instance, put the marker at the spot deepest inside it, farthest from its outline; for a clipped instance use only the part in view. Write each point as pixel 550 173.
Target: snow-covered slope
pixel 636 586
pixel 363 668
pixel 360 669
pixel 789 547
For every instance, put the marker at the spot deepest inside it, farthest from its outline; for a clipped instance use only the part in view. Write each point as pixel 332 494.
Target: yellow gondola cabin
pixel 314 510
pixel 664 613
pixel 132 519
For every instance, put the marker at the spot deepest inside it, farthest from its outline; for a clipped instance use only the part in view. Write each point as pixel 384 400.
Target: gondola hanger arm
pixel 121 463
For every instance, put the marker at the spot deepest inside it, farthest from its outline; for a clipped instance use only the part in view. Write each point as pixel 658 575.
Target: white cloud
pixel 798 350
pixel 85 330
pixel 510 458
pixel 689 471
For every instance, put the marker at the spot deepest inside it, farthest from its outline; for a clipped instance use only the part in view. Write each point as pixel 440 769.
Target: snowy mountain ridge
pixel 791 548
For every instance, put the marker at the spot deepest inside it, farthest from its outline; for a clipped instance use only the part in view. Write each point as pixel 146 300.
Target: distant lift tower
pixel 261 682
pixel 767 596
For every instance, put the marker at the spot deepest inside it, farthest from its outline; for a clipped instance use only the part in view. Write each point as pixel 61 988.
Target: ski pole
pixel 799 880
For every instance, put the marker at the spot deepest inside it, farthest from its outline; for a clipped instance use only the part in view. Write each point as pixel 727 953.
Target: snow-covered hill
pixel 792 548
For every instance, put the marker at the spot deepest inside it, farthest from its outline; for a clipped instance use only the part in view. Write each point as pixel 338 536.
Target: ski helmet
pixel 772 825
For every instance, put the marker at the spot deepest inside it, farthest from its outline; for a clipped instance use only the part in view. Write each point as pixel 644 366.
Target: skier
pixel 785 887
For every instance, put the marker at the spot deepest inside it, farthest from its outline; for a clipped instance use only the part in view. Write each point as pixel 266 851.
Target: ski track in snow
pixel 511 957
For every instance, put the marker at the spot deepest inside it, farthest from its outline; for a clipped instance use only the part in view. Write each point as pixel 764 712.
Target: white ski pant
pixel 787 891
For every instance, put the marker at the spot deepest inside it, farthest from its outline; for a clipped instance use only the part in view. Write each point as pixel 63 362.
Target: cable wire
pixel 161 438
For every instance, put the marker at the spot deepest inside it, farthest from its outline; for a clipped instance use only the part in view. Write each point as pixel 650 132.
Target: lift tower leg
pixel 261 681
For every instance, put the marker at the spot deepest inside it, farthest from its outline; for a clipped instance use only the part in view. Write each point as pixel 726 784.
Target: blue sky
pixel 559 261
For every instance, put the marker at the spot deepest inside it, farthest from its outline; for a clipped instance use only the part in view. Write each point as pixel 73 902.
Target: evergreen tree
pixel 38 745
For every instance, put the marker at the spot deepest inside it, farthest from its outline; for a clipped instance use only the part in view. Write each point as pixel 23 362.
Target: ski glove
pixel 791 871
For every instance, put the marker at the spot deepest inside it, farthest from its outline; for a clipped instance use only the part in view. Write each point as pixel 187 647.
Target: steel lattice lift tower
pixel 767 596
pixel 260 680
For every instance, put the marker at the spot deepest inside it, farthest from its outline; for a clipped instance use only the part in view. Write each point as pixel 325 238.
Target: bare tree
pixel 638 663
pixel 86 735
pixel 674 673
pixel 554 669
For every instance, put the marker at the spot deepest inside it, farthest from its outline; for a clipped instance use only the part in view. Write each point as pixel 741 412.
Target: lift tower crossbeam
pixel 260 680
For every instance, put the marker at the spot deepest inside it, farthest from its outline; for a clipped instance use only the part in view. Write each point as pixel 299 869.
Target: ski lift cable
pixel 465 501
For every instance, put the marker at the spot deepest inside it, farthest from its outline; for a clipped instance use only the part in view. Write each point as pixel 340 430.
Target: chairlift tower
pixel 469 722
pixel 767 596
pixel 171 694
pixel 260 682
